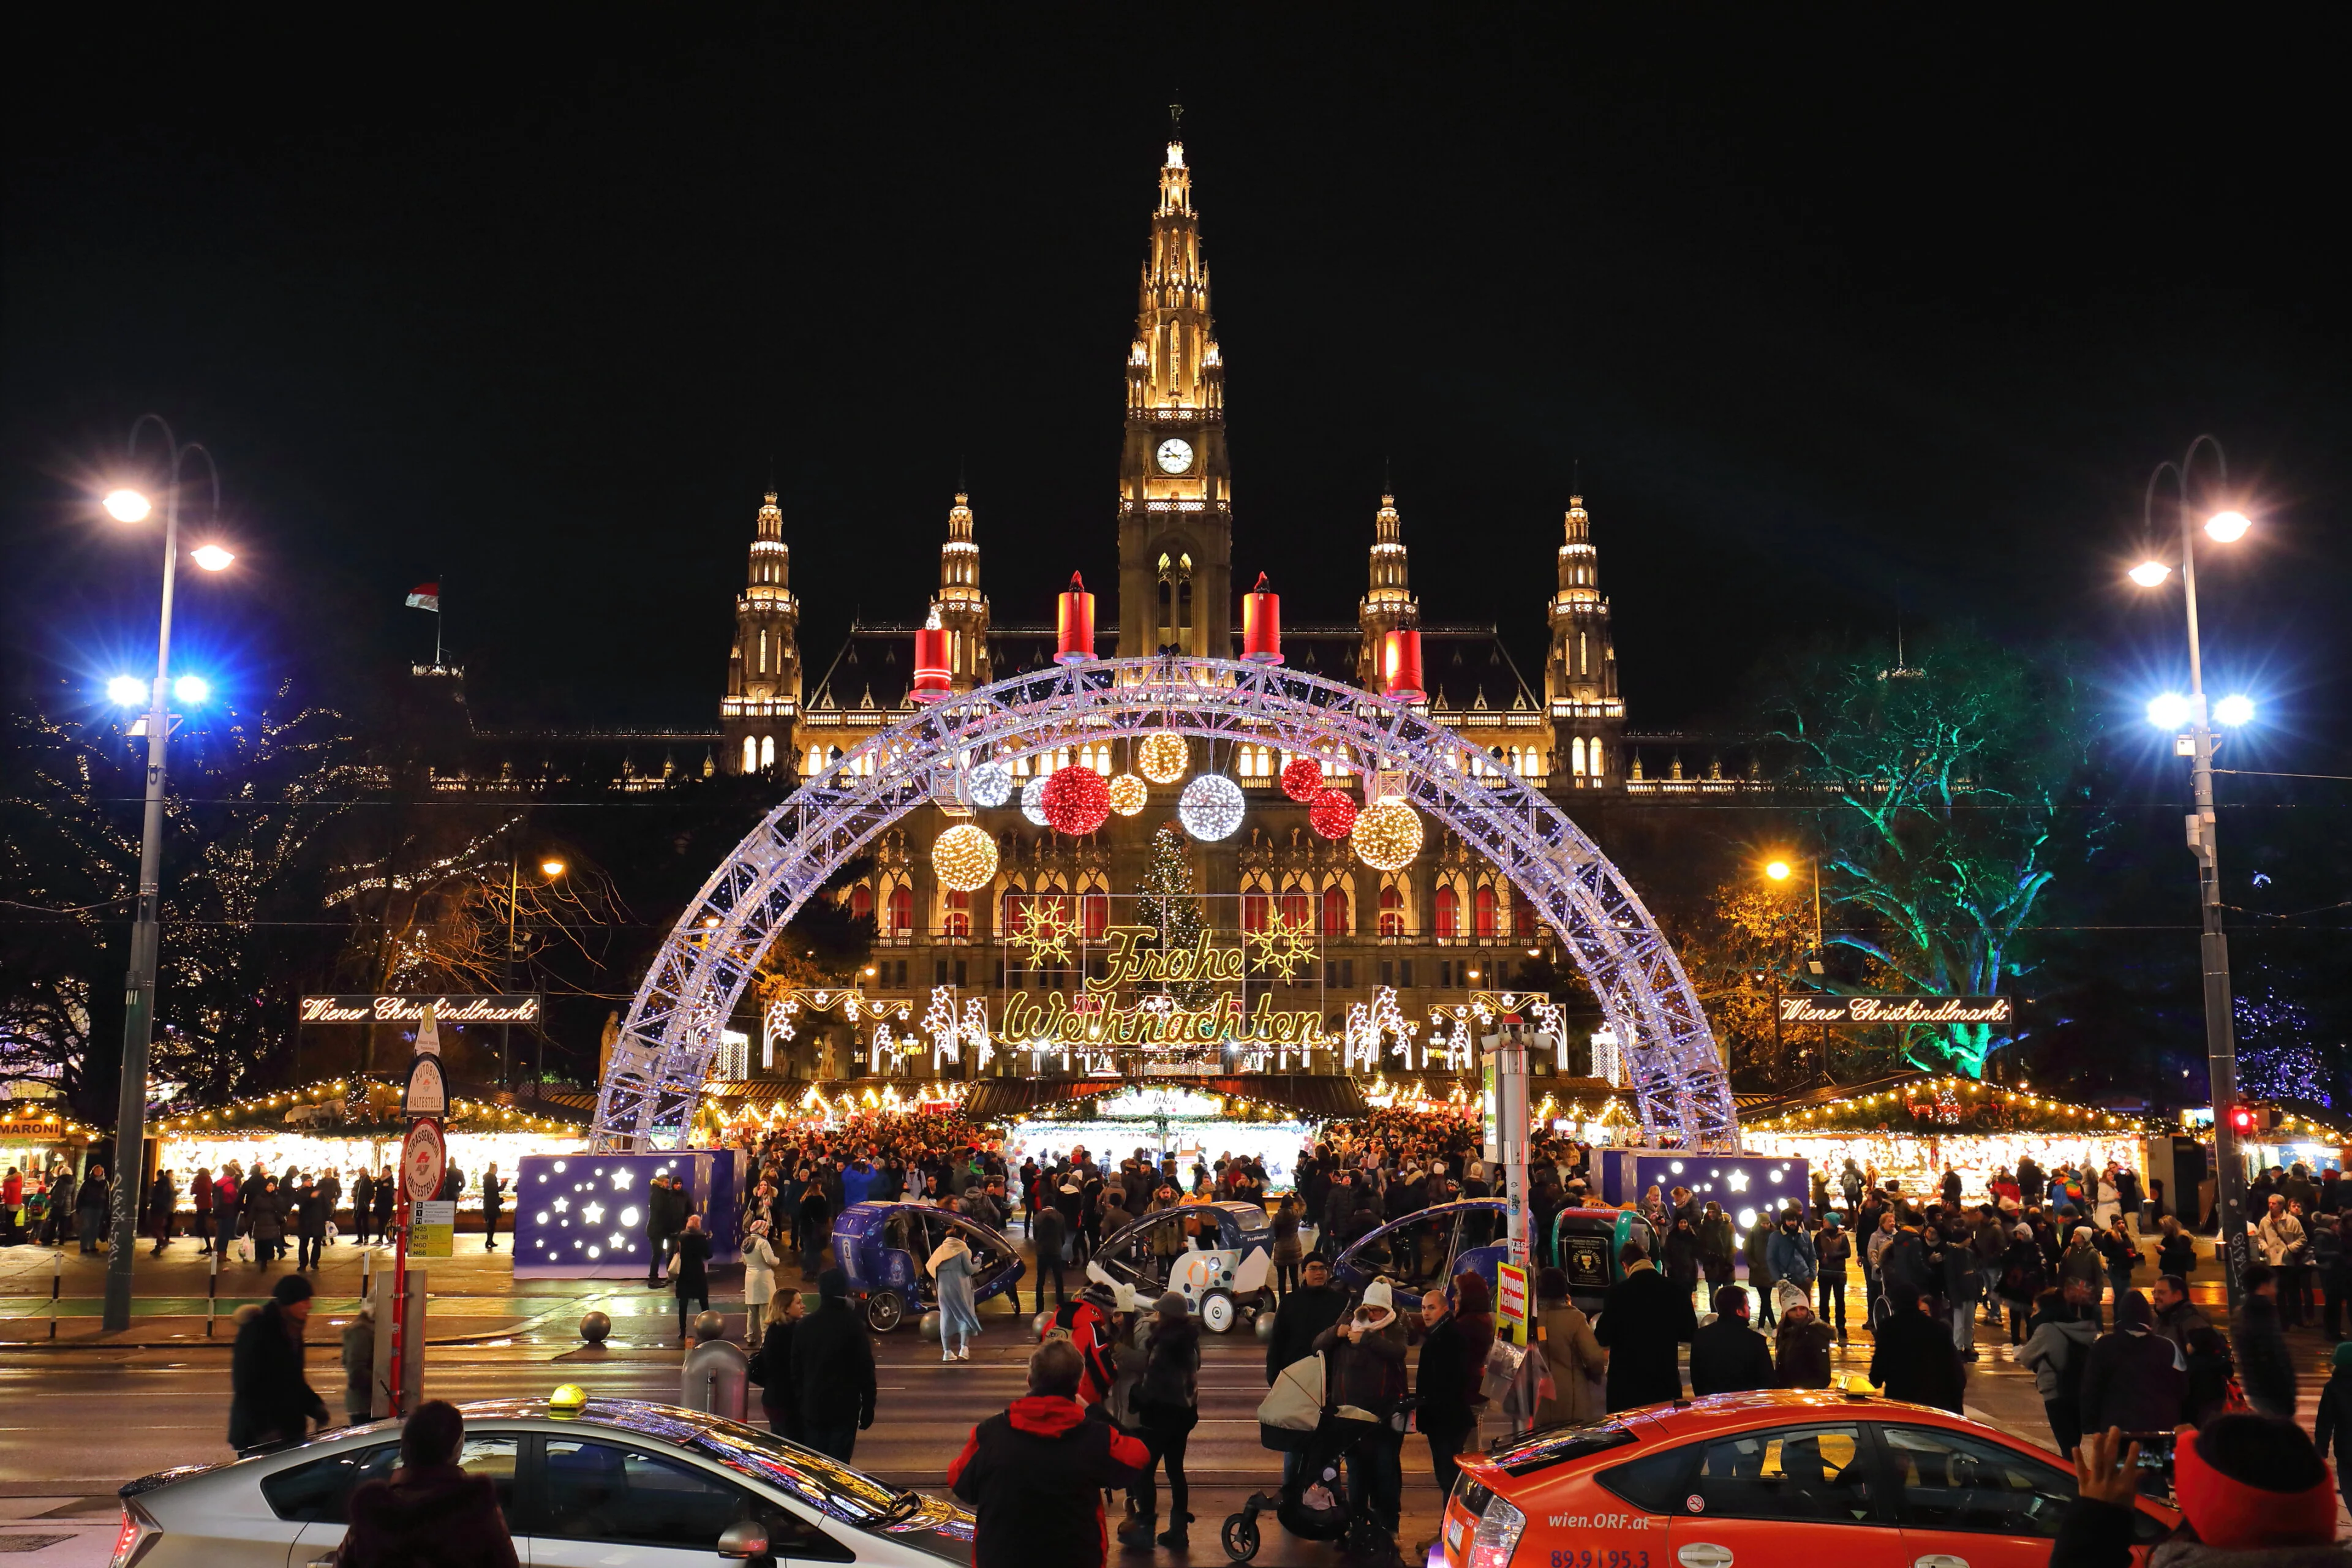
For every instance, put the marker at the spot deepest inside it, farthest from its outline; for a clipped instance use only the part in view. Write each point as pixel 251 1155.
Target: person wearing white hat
pixel 1367 1356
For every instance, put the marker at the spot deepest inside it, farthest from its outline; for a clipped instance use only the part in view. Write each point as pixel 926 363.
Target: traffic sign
pixel 428 1089
pixel 424 1160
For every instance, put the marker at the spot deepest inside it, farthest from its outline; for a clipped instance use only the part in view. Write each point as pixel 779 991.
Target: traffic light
pixel 2243 1120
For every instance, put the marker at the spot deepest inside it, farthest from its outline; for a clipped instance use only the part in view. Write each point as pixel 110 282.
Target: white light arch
pixel 663 1055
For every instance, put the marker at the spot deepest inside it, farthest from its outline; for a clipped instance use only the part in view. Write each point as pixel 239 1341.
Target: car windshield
pixel 819 1481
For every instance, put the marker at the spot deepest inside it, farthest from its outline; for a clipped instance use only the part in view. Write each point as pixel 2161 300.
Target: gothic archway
pixel 659 1062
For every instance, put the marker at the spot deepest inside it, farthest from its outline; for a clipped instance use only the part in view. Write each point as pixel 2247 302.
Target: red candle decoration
pixel 1303 779
pixel 1262 625
pixel 1075 626
pixel 1076 800
pixel 1401 665
pixel 1332 814
pixel 934 682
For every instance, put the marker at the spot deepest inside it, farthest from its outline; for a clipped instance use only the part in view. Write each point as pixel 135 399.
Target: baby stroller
pixel 1313 1504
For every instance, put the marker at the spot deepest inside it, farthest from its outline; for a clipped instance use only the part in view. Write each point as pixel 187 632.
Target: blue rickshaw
pixel 882 1247
pixel 1217 1255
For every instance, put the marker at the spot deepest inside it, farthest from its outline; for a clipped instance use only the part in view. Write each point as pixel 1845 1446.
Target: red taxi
pixel 1740 1480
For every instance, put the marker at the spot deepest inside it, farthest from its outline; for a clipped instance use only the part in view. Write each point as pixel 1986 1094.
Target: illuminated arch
pixel 663 1055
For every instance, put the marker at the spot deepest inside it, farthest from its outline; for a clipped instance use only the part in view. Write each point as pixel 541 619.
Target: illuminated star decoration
pixel 975 1031
pixel 1281 946
pixel 1043 931
pixel 1367 1025
pixel 941 1024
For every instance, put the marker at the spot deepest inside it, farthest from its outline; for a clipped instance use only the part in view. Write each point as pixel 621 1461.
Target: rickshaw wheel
pixel 1240 1537
pixel 1218 1313
pixel 885 1312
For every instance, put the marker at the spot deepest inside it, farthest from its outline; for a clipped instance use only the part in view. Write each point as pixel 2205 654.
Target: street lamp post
pixel 552 868
pixel 138 991
pixel 2221 1043
pixel 1778 871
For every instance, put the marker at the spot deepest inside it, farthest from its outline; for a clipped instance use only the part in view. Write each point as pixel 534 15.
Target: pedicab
pixel 882 1247
pixel 1217 1255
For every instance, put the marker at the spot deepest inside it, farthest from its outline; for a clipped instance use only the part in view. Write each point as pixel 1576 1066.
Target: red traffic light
pixel 2241 1119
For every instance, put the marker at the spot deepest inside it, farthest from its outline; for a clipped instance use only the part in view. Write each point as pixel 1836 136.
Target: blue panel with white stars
pixel 580 1216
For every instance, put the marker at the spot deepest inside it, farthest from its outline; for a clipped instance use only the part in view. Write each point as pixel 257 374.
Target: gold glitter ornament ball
pixel 965 858
pixel 1163 757
pixel 1128 794
pixel 1387 833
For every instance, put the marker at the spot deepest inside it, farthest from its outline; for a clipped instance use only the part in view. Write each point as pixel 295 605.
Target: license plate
pixel 1452 1536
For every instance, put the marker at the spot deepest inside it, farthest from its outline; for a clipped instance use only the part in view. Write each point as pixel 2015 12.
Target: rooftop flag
pixel 426 597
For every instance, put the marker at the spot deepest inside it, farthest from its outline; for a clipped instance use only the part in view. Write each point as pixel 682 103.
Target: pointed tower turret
pixel 1175 530
pixel 1581 675
pixel 763 673
pixel 963 608
pixel 1387 603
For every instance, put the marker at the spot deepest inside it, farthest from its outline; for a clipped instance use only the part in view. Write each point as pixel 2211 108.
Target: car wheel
pixel 1241 1538
pixel 1218 1313
pixel 885 1310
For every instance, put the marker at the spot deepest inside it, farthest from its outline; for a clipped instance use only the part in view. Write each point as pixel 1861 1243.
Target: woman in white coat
pixel 758 1279
pixel 951 1266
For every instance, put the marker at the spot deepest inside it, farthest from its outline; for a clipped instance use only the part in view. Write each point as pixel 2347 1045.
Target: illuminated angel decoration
pixel 1043 931
pixel 1281 946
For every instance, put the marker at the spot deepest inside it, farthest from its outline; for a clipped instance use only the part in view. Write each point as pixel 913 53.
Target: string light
pixel 991 785
pixel 1163 757
pixel 1128 794
pixel 965 858
pixel 1211 808
pixel 1387 833
pixel 1076 800
pixel 1302 780
pixel 1032 802
pixel 1333 814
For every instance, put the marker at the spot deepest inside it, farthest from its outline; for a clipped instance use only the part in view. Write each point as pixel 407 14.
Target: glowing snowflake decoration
pixel 1043 931
pixel 1281 946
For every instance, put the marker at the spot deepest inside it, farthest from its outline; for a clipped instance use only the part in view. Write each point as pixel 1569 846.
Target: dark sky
pixel 1833 315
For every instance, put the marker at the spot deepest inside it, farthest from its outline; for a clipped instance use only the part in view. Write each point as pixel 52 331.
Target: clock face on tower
pixel 1174 456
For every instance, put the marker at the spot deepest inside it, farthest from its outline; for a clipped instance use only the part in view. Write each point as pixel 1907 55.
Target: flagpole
pixel 436 621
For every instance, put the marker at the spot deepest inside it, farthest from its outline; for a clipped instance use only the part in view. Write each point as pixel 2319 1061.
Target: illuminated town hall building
pixel 1444 925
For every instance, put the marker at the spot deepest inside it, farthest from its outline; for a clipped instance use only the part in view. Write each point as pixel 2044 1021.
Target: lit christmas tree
pixel 1166 902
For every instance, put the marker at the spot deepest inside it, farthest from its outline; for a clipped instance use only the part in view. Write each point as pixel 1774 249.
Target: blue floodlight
pixel 127 690
pixel 2169 710
pixel 2234 709
pixel 192 688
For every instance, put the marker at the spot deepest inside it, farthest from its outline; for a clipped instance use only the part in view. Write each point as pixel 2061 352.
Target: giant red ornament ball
pixel 1302 779
pixel 1076 800
pixel 1332 815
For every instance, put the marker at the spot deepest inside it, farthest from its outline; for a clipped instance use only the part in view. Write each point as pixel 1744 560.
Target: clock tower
pixel 1175 487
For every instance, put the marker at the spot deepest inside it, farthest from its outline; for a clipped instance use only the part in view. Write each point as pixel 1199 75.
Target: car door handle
pixel 1940 1560
pixel 1704 1554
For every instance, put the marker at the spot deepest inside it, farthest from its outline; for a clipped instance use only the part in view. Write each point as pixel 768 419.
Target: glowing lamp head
pixel 126 690
pixel 2233 711
pixel 2148 574
pixel 1778 870
pixel 127 506
pixel 551 867
pixel 2169 711
pixel 2228 527
pixel 192 688
pixel 211 557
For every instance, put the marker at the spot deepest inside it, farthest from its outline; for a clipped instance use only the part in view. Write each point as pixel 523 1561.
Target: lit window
pixel 767 751
pixel 750 753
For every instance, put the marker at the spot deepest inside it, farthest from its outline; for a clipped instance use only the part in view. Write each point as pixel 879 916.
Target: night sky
pixel 1839 320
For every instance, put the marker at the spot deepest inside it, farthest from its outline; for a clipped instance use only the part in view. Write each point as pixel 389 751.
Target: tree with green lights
pixel 1166 902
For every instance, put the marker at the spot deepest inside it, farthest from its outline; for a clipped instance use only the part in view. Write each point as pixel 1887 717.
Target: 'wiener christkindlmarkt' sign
pixel 1811 1008
pixel 521 1008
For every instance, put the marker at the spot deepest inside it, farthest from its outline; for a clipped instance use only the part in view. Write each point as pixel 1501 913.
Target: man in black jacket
pixel 1047 1235
pixel 1643 1319
pixel 2128 1379
pixel 270 1399
pixel 1035 1473
pixel 1305 1312
pixel 833 1367
pixel 2265 1370
pixel 689 1274
pixel 1915 1358
pixel 1727 1355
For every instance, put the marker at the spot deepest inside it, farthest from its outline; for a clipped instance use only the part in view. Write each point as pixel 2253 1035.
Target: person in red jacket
pixel 1094 1321
pixel 1035 1473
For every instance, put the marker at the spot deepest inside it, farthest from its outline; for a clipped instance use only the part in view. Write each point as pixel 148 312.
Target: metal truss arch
pixel 663 1054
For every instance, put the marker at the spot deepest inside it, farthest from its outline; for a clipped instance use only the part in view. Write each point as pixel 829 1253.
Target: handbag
pixel 245 1249
pixel 1503 1362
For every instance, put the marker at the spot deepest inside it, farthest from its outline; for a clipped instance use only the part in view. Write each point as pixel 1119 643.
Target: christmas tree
pixel 1166 902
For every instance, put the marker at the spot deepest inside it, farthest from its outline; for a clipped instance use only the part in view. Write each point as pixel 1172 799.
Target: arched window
pixel 1576 754
pixel 1016 904
pixel 956 920
pixel 1524 924
pixel 902 910
pixel 816 760
pixel 767 751
pixel 1391 911
pixel 861 902
pixel 1335 910
pixel 1449 909
pixel 1298 909
pixel 750 753
pixel 1255 904
pixel 1484 903
pixel 1093 914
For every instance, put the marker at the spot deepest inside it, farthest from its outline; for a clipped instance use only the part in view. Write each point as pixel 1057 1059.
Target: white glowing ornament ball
pixel 991 785
pixel 1128 794
pixel 965 858
pixel 1033 800
pixel 1211 808
pixel 1387 833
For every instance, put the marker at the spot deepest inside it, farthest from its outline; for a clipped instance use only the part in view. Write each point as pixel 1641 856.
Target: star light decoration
pixel 1163 757
pixel 566 1217
pixel 1367 1025
pixel 1211 808
pixel 1128 794
pixel 1281 946
pixel 1043 931
pixel 776 1028
pixel 991 785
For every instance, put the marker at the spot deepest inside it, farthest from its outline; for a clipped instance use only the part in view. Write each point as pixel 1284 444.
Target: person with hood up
pixel 2253 1493
pixel 1036 1474
pixel 950 1267
pixel 270 1400
pixel 2057 1351
pixel 1576 1362
pixel 2129 1379
pixel 428 1513
pixel 2333 1428
pixel 1642 1321
pixel 1915 1358
pixel 1727 1355
pixel 1834 1249
pixel 833 1368
pixel 2266 1369
pixel 1365 1362
pixel 359 1365
pixel 2022 1278
pixel 1802 1344
pixel 1167 1407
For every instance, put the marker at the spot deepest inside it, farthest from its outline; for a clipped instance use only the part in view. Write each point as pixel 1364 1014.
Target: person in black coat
pixel 1643 1319
pixel 494 1201
pixel 312 1210
pixel 833 1368
pixel 270 1399
pixel 429 1511
pixel 690 1275
pixel 1305 1312
pixel 387 1192
pixel 2266 1369
pixel 1915 1358
pixel 1727 1355
pixel 1443 1386
pixel 362 1200
pixel 1046 1234
pixel 1166 1405
pixel 771 1366
pixel 2128 1379
pixel 1034 1474
pixel 815 1226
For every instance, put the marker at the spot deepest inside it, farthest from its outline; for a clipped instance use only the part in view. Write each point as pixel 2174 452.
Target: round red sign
pixel 423 1161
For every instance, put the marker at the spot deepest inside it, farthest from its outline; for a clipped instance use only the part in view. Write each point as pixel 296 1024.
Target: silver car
pixel 608 1483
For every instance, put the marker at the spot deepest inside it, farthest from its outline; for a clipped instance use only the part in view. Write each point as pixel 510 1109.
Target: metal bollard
pixel 212 1289
pixel 56 1284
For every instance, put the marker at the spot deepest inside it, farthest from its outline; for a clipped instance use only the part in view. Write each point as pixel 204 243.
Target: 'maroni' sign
pixel 1813 1008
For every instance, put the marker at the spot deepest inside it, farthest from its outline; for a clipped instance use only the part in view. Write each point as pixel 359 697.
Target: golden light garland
pixel 1128 794
pixel 1816 1117
pixel 964 857
pixel 498 1118
pixel 1163 757
pixel 1387 833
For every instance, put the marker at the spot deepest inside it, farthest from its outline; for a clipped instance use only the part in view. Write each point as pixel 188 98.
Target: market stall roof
pixel 1313 1095
pixel 1931 1106
pixel 368 1106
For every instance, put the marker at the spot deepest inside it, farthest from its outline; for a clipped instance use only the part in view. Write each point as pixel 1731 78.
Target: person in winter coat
pixel 270 1401
pixel 771 1368
pixel 815 1221
pixel 311 1214
pixel 2057 1349
pixel 1575 1358
pixel 359 1365
pixel 1802 1344
pixel 1726 1355
pixel 494 1202
pixel 2333 1428
pixel 2176 1250
pixel 386 1192
pixel 1166 1405
pixel 1642 1321
pixel 950 1267
pixel 1444 1386
pixel 2121 1252
pixel 1759 1247
pixel 2265 1370
pixel 2022 1280
pixel 1304 1314
pixel 1289 1252
pixel 1905 1272
pixel 1962 1280
pixel 1791 1255
pixel 89 1208
pixel 267 1221
pixel 2176 1316
pixel 759 1266
pixel 1034 1475
pixel 690 1275
pixel 1046 1236
pixel 2251 1491
pixel 1719 1248
pixel 1365 1362
pixel 362 1201
pixel 833 1368
pixel 2329 1265
pixel 1682 1259
pixel 2130 1380
pixel 429 1513
pixel 1833 1249
pixel 162 1206
pixel 2082 1260
pixel 1916 1360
